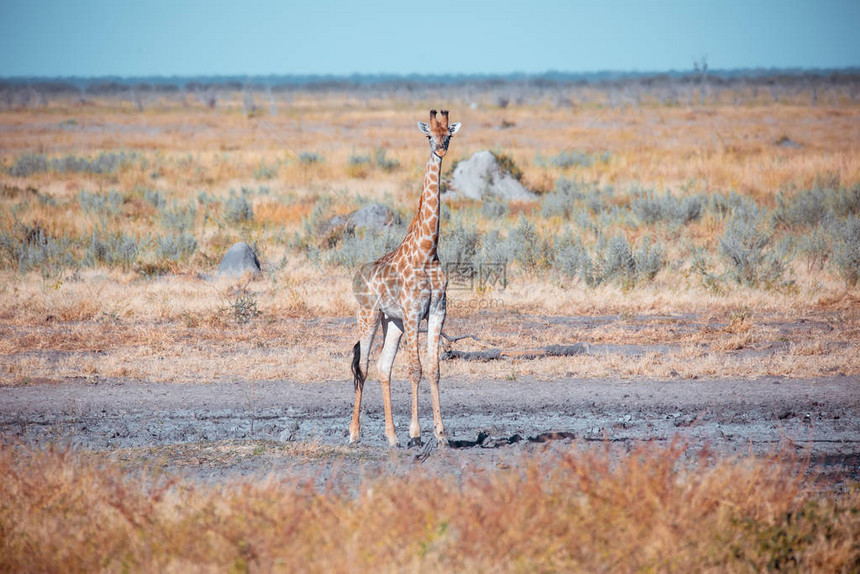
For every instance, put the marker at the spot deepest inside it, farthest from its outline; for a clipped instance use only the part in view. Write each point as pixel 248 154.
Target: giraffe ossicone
pixel 401 289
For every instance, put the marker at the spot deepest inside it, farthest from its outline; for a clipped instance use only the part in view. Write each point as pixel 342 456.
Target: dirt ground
pixel 239 427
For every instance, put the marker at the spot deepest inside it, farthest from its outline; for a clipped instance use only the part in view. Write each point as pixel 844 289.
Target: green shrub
pixel 356 250
pixel 111 249
pixel 177 217
pixel 650 208
pixel 358 160
pixel 574 158
pixel 811 207
pixel 101 204
pixel 265 171
pixel 492 208
pixel 561 201
pixel 104 162
pixel 526 246
pixel 175 246
pixel 459 244
pixel 237 209
pixel 310 157
pixel 508 165
pixel 745 246
pixel 846 250
pixel 613 261
pixel 384 162
pixel 28 247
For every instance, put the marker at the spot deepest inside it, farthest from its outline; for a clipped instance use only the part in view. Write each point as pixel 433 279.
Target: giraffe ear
pixel 454 128
pixel 425 127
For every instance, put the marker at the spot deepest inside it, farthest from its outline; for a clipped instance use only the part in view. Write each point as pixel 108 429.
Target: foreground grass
pixel 588 510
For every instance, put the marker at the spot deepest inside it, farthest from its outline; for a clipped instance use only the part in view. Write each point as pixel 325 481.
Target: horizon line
pixel 468 75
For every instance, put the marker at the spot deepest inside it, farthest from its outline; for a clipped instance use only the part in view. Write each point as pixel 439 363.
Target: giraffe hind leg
pixel 358 376
pixel 368 322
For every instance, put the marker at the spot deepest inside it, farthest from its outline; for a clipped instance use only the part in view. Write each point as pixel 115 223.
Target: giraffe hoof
pixel 415 441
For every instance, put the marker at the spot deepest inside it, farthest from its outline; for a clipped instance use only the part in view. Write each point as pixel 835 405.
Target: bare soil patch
pixel 236 425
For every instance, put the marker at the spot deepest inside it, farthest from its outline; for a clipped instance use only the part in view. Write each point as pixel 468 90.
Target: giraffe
pixel 399 290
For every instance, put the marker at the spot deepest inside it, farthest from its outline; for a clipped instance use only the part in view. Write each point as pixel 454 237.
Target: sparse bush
pixel 175 247
pixel 508 165
pixel 574 158
pixel 359 160
pixel 805 208
pixel 154 198
pixel 649 260
pixel 356 250
pixel 562 200
pixel 358 166
pixel 28 247
pixel 105 162
pixel 614 260
pixel 101 204
pixel 650 208
pixel 816 247
pixel 112 249
pixel 701 266
pixel 724 205
pixel 846 250
pixel 317 229
pixel 459 244
pixel 495 250
pixel 617 262
pixel 177 217
pixel 265 171
pixel 243 307
pixel 29 164
pixel 492 208
pixel 572 260
pixel 845 202
pixel 526 246
pixel 383 162
pixel 813 206
pixel 744 246
pixel 237 209
pixel 310 157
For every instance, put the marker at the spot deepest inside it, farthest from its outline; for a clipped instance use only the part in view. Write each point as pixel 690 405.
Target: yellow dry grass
pixel 582 509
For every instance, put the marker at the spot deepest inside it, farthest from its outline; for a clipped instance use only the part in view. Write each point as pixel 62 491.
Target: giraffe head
pixel 439 132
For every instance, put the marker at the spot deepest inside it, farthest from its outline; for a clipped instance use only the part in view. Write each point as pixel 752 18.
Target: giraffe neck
pixel 423 233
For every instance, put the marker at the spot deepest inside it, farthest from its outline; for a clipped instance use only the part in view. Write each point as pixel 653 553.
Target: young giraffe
pixel 399 290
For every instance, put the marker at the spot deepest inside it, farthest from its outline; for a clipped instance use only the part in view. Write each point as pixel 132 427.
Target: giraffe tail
pixel 358 376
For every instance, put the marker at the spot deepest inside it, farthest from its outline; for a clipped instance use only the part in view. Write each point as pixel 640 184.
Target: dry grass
pixel 186 329
pixel 654 509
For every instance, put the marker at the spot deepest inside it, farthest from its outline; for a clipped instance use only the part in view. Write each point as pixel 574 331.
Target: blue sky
pixel 148 37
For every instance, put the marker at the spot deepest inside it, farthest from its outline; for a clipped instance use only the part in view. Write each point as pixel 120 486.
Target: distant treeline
pixel 724 78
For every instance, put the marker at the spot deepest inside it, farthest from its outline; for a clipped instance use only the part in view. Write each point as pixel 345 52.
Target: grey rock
pixel 289 433
pixel 239 260
pixel 481 176
pixel 785 141
pixel 374 216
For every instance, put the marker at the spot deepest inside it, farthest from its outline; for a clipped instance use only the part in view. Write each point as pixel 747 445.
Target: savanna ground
pixel 706 251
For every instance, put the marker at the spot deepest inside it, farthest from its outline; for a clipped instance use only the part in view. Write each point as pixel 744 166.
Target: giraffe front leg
pixel 411 332
pixel 392 331
pixel 435 321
